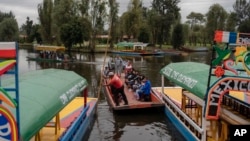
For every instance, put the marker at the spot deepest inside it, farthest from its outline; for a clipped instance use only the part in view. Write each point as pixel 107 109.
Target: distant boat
pixel 49 53
pixel 136 49
pixel 195 49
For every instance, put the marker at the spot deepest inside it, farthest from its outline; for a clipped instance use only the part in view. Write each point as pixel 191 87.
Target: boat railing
pixel 237 105
pixel 66 136
pixel 183 117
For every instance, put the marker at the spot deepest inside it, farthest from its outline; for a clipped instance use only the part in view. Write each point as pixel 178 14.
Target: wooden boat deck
pixel 132 102
pixel 52 131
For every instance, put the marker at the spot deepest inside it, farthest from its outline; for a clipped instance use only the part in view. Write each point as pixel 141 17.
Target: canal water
pixel 146 126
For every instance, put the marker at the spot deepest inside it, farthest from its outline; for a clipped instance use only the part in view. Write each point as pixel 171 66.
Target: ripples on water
pixel 151 126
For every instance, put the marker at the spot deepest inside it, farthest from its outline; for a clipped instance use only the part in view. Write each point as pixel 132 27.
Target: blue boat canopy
pixel 43 93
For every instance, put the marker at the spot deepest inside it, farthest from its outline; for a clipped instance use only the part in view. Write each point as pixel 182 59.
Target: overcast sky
pixel 28 8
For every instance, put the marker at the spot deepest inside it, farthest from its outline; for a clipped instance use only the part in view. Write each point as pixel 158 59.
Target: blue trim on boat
pixel 82 125
pixel 186 134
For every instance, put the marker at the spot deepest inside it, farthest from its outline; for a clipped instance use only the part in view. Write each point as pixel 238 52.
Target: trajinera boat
pixel 42 105
pixel 49 53
pixel 133 103
pixel 209 100
pixel 136 49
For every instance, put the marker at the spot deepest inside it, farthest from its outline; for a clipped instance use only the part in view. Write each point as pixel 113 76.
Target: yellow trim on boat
pixel 51 134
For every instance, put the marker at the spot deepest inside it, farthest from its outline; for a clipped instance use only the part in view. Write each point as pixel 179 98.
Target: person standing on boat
pixel 128 67
pixel 145 90
pixel 117 88
pixel 111 63
pixel 118 65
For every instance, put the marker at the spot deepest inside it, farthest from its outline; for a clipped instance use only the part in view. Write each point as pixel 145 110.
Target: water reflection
pixel 110 127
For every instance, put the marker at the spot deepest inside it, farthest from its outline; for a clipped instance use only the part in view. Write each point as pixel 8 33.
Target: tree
pixel 242 10
pixel 195 18
pixel 216 19
pixel 71 33
pixel 27 28
pixel 231 22
pixel 169 13
pixel 178 36
pixel 154 24
pixel 9 30
pixel 97 18
pixel 45 17
pixel 134 18
pixel 113 19
pixel 8 27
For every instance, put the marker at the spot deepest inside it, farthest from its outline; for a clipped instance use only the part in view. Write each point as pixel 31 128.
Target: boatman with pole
pixel 117 87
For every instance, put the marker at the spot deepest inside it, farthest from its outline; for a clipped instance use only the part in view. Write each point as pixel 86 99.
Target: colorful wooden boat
pixel 210 101
pixel 133 104
pixel 136 49
pixel 51 107
pixel 42 105
pixel 49 53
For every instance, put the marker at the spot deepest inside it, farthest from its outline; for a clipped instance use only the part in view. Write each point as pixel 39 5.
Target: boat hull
pixel 85 120
pixel 133 104
pixel 76 122
pixel 178 125
pixel 134 53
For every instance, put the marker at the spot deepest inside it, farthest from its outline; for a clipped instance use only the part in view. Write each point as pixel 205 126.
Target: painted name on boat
pixel 188 81
pixel 221 87
pixel 71 93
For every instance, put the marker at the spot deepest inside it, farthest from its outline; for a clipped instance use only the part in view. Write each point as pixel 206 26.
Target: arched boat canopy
pixel 49 48
pixel 191 76
pixel 43 93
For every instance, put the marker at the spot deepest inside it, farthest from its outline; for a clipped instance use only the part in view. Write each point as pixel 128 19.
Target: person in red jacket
pixel 117 88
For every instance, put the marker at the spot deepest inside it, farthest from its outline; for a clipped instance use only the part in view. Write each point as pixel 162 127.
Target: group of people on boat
pixel 52 55
pixel 134 81
pixel 139 84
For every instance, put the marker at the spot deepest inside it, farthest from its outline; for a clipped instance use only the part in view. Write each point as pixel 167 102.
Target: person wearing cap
pixel 117 88
pixel 145 90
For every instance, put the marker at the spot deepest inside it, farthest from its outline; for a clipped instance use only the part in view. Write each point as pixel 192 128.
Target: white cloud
pixel 28 8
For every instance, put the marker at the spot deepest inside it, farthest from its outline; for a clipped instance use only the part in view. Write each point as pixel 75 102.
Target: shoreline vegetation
pixel 102 48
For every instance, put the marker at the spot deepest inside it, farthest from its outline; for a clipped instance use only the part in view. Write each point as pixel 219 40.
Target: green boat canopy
pixel 42 94
pixel 191 76
pixel 125 44
pixel 134 45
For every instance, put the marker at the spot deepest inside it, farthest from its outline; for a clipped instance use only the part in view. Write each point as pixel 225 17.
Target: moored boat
pixel 42 105
pixel 210 101
pixel 51 107
pixel 133 103
pixel 49 53
pixel 136 49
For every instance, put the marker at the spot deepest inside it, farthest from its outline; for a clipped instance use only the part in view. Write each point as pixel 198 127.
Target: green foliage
pixel 71 33
pixel 168 11
pixel 244 27
pixel 144 35
pixel 178 37
pixel 45 16
pixel 216 19
pixel 8 29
